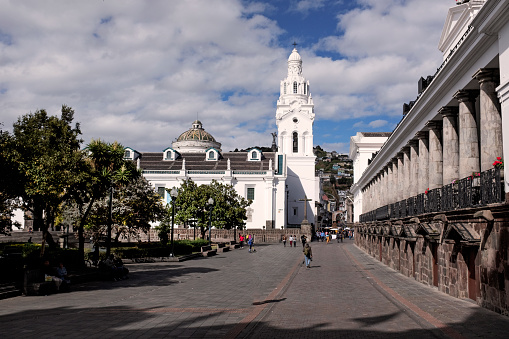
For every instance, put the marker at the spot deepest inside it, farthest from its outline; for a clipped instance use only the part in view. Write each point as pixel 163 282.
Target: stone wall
pixel 471 264
pixel 221 235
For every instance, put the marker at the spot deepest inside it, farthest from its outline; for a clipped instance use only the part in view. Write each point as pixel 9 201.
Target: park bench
pixel 221 247
pixel 207 251
pixel 34 283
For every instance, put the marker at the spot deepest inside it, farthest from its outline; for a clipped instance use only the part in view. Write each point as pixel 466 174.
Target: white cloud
pixel 304 6
pixel 377 123
pixel 140 73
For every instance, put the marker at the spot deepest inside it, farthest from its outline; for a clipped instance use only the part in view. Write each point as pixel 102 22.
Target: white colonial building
pixel 363 147
pixel 278 182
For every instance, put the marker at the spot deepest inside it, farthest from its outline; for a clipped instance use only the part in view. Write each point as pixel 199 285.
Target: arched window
pixel 295 87
pixel 127 154
pixel 211 155
pixel 285 88
pixel 169 155
pixel 254 155
pixel 305 88
pixel 295 142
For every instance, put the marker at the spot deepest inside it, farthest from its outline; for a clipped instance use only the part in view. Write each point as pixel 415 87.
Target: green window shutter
pixel 250 193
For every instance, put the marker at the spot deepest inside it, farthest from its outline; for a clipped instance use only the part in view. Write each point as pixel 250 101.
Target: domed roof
pixel 295 56
pixel 196 133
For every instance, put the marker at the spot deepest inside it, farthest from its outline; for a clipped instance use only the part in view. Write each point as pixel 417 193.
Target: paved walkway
pixel 267 294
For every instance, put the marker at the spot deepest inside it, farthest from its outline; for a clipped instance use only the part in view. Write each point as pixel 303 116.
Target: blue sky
pixel 140 72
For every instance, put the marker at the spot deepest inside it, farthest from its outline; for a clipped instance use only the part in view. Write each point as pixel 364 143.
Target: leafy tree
pixel 9 184
pixel 228 210
pixel 103 168
pixel 135 205
pixel 45 151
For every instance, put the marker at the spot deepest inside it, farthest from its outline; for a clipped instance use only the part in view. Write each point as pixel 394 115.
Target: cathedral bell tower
pixel 294 119
pixel 295 111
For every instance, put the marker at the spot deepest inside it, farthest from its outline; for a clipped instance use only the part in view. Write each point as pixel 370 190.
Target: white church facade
pixel 277 182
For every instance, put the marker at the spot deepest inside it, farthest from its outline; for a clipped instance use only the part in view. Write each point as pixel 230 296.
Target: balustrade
pixel 472 191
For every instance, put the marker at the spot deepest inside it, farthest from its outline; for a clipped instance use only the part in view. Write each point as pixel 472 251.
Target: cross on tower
pixel 305 221
pixel 294 44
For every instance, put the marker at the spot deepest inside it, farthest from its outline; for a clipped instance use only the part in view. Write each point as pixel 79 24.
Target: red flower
pixel 499 158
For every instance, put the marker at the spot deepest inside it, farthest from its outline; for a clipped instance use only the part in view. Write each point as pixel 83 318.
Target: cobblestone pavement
pixel 266 294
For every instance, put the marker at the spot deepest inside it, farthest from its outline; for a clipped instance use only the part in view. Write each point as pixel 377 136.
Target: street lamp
pixel 193 222
pixel 210 203
pixel 173 194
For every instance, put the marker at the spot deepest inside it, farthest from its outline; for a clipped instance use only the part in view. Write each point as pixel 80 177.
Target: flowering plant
pixel 474 174
pixel 426 191
pixel 499 163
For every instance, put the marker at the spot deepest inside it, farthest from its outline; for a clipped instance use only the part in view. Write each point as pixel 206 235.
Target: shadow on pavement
pixel 131 322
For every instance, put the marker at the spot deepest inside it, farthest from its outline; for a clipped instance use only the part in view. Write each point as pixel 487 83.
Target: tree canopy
pixel 228 210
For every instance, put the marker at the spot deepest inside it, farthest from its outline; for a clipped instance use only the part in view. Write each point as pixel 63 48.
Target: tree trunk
pixel 81 236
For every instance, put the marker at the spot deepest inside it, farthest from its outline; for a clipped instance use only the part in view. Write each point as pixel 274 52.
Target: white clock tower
pixel 294 119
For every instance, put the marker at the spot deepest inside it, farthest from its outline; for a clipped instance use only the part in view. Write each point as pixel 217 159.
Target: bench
pixel 34 283
pixel 221 247
pixel 207 251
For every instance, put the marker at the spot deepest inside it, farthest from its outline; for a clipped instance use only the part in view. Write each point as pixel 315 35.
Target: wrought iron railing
pixel 472 191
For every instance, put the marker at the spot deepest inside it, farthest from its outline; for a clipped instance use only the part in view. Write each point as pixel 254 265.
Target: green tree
pixel 10 188
pixel 103 168
pixel 135 205
pixel 228 210
pixel 46 152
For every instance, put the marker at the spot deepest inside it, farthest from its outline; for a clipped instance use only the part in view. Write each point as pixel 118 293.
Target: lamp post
pixel 210 203
pixel 193 222
pixel 173 194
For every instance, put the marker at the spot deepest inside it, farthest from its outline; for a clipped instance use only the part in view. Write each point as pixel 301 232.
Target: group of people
pixel 115 267
pixel 250 241
pixel 293 240
pixel 58 275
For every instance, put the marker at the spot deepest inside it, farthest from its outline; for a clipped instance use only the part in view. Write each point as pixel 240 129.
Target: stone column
pixel 401 176
pixel 423 184
pixel 414 167
pixel 395 180
pixel 467 129
pixel 385 198
pixel 405 152
pixel 450 144
pixel 490 121
pixel 390 184
pixel 435 177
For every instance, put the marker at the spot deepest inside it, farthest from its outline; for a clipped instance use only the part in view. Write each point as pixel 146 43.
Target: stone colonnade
pixel 459 143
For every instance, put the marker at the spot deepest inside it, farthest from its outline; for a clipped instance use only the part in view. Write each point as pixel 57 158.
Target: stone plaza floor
pixel 266 294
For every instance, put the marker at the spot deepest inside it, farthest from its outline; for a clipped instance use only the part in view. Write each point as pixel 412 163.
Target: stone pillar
pixel 435 177
pixel 490 121
pixel 423 161
pixel 401 176
pixel 450 144
pixel 390 184
pixel 386 187
pixel 395 180
pixel 414 168
pixel 467 129
pixel 405 152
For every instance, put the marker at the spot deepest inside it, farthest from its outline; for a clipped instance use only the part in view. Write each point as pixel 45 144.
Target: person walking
pixel 291 240
pixel 308 255
pixel 250 242
pixel 284 241
pixel 303 238
pixel 294 240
